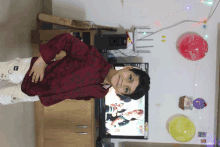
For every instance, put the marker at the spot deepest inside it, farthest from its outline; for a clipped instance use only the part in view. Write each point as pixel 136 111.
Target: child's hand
pixel 38 70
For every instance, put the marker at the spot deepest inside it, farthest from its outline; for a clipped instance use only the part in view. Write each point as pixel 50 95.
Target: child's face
pixel 125 81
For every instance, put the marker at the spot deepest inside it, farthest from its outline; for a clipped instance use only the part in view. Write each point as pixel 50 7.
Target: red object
pixel 192 46
pixel 205 104
pixel 203 140
pixel 128 36
pixel 77 76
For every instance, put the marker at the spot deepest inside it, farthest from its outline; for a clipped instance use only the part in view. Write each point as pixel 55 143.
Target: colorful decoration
pixel 186 103
pixel 146 126
pixel 208 2
pixel 129 38
pixel 192 46
pixel 199 103
pixel 202 20
pixel 202 134
pixel 157 23
pixel 163 37
pixel 122 2
pixel 182 129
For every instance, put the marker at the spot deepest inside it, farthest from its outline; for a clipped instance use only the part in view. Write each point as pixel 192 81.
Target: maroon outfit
pixel 77 76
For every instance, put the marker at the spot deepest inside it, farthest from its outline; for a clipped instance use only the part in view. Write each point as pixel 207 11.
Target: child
pixel 82 74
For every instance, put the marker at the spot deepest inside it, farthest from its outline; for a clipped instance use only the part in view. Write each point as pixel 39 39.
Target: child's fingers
pixel 33 77
pixel 41 77
pixel 31 72
pixel 36 78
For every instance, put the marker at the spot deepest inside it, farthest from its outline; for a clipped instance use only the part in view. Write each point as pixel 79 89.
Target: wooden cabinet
pixel 68 113
pixel 70 123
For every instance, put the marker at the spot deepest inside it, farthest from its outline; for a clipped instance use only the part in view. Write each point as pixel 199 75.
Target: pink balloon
pixel 192 46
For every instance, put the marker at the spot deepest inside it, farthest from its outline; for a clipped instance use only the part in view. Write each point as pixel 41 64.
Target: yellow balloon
pixel 182 129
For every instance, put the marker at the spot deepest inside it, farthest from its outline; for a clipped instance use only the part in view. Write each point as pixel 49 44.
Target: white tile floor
pixel 17 19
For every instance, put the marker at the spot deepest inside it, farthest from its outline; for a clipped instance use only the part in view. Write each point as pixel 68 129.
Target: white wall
pixel 172 76
pixel 17 19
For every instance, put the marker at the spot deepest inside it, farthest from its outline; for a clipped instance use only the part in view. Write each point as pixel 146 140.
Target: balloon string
pixel 199 76
pixel 198 91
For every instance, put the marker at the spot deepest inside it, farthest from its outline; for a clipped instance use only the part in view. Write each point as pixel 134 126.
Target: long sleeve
pixel 66 42
pixel 83 93
pixel 83 69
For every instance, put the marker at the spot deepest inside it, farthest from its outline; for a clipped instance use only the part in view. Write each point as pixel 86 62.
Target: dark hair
pixel 125 99
pixel 142 88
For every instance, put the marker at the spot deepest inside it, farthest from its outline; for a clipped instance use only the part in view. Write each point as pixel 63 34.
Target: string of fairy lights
pixel 186 8
pixel 208 2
